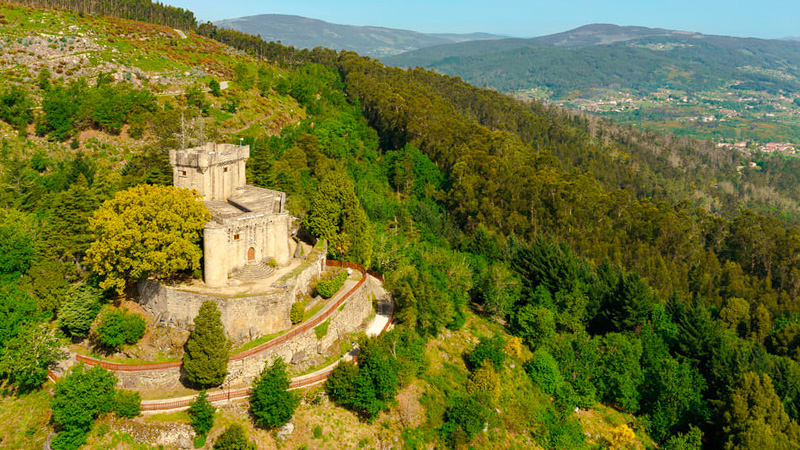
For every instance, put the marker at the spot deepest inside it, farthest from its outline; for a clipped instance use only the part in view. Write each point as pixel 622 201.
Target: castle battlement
pixel 249 224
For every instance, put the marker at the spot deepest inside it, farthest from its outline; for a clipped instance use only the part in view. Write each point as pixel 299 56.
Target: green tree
pixel 336 214
pixel 271 403
pixel 48 282
pixel 30 354
pixel 755 417
pixel 201 414
pixel 543 370
pixel 146 231
pixel 79 398
pixel 79 309
pixel 339 384
pixel 17 309
pixel 206 357
pixel 735 315
pixel 234 438
pixel 535 324
pixel 18 235
pixel 619 373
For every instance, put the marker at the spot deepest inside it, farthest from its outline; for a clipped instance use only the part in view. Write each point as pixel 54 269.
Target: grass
pixel 322 329
pixel 310 313
pixel 24 419
pixel 179 416
pixel 257 342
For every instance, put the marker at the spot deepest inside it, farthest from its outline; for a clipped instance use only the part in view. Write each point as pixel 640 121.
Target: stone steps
pixel 253 271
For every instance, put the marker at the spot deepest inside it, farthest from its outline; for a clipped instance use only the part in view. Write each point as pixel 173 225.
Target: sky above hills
pixel 526 18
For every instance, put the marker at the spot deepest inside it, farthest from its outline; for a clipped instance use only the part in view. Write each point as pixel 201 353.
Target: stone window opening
pixel 183 173
pixel 236 237
pixel 225 169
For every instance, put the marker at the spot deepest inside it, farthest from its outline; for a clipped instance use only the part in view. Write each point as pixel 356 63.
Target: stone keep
pixel 249 224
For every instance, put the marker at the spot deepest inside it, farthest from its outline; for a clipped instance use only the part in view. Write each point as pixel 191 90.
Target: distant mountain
pixel 302 32
pixel 603 56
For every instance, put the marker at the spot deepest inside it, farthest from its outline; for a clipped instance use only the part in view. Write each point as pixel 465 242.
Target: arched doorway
pixel 251 254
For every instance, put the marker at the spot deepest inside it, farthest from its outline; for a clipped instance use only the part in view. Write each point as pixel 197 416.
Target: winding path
pixel 381 322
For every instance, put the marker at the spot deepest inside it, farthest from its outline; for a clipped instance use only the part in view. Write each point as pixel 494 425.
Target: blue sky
pixel 527 18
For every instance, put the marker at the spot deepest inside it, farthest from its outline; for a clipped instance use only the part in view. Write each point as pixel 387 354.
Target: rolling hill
pixel 680 81
pixel 303 32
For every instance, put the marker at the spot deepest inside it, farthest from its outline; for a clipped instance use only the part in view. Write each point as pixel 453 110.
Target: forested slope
pixel 623 276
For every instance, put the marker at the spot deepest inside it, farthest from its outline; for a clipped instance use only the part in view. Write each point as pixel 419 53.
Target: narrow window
pixel 236 237
pixel 183 173
pixel 225 169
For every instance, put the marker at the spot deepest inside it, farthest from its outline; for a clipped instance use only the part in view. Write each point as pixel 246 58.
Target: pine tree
pixel 206 357
pixel 201 414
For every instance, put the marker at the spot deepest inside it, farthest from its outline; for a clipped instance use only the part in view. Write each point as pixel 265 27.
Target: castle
pixel 249 225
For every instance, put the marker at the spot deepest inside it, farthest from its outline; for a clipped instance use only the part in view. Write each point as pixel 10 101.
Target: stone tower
pixel 250 225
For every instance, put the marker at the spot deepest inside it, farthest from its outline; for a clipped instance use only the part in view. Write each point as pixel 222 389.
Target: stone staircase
pixel 253 271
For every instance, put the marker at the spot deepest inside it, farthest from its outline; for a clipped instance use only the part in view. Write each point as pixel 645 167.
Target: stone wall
pixel 245 318
pixel 302 351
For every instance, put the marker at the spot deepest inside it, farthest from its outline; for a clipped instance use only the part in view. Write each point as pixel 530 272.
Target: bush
pixel 79 399
pixel 297 313
pixel 234 438
pixel 201 414
pixel 339 385
pixel 317 431
pixel 127 403
pixel 464 418
pixel 327 287
pixel 79 309
pixel 119 327
pixel 543 370
pixel 484 381
pixel 488 349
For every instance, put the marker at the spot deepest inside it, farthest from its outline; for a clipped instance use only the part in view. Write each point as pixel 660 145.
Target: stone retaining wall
pixel 301 351
pixel 245 318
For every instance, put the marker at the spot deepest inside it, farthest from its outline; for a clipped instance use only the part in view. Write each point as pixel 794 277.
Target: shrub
pixel 543 370
pixel 79 399
pixel 464 418
pixel 297 313
pixel 327 287
pixel 317 431
pixel 119 327
pixel 339 385
pixel 79 309
pixel 127 403
pixel 201 414
pixel 484 381
pixel 488 349
pixel 234 438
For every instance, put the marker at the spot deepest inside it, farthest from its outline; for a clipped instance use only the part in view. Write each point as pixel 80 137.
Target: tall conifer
pixel 206 357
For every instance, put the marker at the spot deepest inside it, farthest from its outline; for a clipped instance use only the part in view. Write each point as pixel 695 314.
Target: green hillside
pixel 664 78
pixel 561 282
